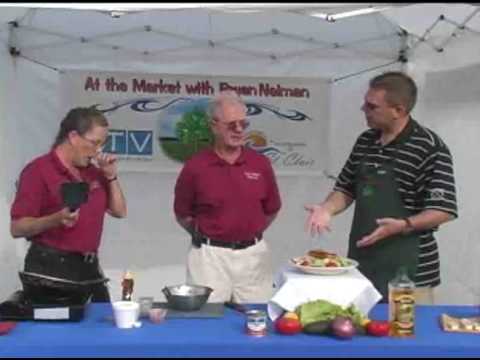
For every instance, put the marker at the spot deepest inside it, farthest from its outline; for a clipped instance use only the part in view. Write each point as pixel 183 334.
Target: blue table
pixel 223 337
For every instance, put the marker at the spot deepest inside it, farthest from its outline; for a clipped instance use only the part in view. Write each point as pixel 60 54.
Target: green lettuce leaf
pixel 322 310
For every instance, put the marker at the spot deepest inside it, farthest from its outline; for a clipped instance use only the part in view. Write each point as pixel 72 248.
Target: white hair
pixel 224 98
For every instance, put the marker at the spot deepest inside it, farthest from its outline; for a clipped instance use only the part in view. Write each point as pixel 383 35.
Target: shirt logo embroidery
pixel 252 175
pixel 437 194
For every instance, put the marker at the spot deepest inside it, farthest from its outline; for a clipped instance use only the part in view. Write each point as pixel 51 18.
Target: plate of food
pixel 320 262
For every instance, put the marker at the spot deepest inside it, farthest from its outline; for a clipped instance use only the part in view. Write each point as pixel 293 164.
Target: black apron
pixel 377 197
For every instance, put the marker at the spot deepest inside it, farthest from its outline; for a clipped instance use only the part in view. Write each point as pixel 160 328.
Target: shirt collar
pixel 404 135
pixel 214 159
pixel 57 163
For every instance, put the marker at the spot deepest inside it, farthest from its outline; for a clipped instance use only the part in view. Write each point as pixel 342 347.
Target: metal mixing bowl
pixel 186 297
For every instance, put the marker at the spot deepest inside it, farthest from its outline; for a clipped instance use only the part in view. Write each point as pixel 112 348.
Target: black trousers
pixel 70 266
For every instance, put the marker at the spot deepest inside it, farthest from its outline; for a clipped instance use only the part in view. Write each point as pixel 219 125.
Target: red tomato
pixel 288 326
pixel 6 326
pixel 378 328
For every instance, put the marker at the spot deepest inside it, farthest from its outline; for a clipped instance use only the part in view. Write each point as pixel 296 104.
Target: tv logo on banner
pixel 130 142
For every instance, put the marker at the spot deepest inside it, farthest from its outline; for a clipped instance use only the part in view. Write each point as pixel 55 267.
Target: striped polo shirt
pixel 424 173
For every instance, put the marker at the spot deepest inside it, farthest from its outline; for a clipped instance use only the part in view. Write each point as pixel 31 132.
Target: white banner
pixel 157 120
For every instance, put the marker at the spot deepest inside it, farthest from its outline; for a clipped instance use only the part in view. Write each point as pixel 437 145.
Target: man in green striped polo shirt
pixel 400 177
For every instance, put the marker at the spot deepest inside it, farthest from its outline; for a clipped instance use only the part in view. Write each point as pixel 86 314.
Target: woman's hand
pixel 108 164
pixel 68 218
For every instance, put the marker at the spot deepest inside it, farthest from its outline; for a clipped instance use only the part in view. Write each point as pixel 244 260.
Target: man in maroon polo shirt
pixel 64 241
pixel 226 197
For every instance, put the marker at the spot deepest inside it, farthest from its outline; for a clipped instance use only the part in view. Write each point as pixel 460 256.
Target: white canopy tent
pixel 436 43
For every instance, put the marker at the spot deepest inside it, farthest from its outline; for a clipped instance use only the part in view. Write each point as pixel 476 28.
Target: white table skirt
pixel 295 288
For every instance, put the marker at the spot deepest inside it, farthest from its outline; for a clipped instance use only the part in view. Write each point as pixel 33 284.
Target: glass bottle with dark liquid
pixel 401 305
pixel 127 286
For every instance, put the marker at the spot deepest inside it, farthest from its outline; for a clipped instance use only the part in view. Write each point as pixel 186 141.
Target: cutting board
pixel 209 310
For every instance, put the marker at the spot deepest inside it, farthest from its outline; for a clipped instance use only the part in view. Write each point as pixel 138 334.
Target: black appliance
pixel 48 298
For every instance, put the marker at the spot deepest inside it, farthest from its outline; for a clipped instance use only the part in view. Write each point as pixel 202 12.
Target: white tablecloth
pixel 295 288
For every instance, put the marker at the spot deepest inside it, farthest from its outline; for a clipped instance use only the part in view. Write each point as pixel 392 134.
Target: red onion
pixel 343 327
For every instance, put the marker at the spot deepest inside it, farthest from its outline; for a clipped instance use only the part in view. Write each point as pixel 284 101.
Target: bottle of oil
pixel 401 304
pixel 127 286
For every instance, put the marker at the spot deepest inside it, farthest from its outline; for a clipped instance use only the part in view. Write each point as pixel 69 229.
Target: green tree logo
pixel 193 128
pixel 193 133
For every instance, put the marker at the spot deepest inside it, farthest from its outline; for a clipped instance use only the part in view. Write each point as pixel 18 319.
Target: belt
pixel 88 257
pixel 237 245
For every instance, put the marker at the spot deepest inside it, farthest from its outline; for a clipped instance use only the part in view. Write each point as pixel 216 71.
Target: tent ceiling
pixel 331 8
pixel 59 37
pixel 435 25
pixel 232 34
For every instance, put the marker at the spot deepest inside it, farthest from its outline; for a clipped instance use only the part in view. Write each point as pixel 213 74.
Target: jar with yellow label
pixel 401 304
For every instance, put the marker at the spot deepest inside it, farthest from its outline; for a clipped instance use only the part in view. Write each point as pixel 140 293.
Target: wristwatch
pixel 409 227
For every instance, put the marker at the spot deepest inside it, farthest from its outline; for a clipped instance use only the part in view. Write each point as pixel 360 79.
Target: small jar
pixel 127 286
pixel 146 303
pixel 256 322
pixel 157 315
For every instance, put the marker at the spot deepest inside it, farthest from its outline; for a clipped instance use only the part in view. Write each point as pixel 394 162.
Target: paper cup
pixel 125 313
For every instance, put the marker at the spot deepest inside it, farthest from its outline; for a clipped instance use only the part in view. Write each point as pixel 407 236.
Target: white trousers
pixel 242 276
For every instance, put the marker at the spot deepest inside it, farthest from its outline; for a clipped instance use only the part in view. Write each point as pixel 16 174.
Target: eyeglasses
pixel 233 125
pixel 94 143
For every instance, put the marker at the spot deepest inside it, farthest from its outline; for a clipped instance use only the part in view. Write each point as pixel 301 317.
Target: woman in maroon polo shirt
pixel 226 197
pixel 64 243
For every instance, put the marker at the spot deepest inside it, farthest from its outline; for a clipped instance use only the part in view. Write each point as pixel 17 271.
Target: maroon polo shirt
pixel 229 202
pixel 38 194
